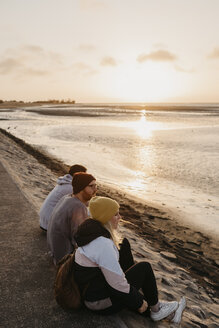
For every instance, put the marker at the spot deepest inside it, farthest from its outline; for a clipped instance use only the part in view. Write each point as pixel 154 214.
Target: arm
pixel 79 215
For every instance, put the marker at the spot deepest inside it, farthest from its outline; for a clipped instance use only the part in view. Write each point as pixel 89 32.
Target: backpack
pixel 67 293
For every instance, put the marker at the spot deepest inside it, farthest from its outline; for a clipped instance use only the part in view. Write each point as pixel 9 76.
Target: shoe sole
pixel 181 308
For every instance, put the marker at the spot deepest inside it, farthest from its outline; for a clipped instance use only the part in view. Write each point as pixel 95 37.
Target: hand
pixel 143 308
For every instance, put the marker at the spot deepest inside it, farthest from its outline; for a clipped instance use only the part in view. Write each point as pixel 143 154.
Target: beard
pixel 88 196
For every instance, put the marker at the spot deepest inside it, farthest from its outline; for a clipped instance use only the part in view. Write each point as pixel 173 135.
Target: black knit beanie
pixel 80 181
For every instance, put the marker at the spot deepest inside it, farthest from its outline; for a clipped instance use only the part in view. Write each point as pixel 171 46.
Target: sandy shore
pixel 150 107
pixel 185 261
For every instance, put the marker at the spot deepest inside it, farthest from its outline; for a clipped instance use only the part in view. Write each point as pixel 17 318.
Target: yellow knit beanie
pixel 103 209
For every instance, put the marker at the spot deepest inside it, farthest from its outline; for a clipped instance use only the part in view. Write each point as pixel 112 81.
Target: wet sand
pixel 185 261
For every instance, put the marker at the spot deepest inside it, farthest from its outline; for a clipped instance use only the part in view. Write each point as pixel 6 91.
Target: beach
pixel 185 261
pixel 128 90
pixel 165 157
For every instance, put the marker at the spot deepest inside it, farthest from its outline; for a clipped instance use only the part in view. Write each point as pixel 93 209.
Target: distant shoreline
pixel 80 109
pixel 18 104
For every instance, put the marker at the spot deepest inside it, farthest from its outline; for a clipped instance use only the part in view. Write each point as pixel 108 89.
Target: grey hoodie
pixel 63 187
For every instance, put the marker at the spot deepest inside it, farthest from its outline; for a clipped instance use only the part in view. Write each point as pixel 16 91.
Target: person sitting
pixel 106 289
pixel 70 211
pixel 63 187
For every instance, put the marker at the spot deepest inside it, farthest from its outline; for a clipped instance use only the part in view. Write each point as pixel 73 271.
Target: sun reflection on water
pixel 143 127
pixel 138 183
pixel 143 152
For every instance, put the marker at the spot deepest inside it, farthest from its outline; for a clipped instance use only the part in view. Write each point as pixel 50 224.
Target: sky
pixel 110 50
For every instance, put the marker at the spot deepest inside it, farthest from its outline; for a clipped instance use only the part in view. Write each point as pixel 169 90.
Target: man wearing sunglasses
pixel 68 214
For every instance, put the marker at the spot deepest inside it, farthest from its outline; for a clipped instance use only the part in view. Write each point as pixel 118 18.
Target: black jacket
pixel 92 279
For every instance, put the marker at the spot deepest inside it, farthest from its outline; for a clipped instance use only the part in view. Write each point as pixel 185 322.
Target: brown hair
pixel 77 168
pixel 67 293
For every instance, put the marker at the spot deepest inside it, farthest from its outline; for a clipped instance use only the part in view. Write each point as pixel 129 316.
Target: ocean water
pixel 167 156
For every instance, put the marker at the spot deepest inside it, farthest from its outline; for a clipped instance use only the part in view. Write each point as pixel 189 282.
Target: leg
pixel 141 276
pixel 125 255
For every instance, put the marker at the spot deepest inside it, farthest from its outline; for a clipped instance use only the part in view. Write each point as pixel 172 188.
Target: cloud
pixel 159 55
pixel 35 72
pixel 214 54
pixel 8 65
pixel 81 66
pixel 55 58
pixel 86 47
pixel 38 53
pixel 84 69
pixel 184 70
pixel 29 60
pixel 108 61
pixel 25 52
pixel 32 48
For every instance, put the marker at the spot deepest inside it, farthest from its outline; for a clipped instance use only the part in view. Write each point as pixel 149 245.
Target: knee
pixel 146 266
pixel 125 244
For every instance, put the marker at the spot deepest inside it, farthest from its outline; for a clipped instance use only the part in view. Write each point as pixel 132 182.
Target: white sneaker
pixel 166 308
pixel 178 314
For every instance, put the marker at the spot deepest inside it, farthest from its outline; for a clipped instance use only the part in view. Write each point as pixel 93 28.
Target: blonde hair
pixel 114 235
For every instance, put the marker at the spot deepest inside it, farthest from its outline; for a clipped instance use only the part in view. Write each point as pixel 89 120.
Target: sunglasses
pixel 93 185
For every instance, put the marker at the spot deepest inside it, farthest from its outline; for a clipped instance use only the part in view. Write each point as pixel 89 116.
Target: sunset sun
pixel 152 82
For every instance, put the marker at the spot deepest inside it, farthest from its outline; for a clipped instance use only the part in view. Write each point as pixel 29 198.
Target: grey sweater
pixel 63 187
pixel 67 215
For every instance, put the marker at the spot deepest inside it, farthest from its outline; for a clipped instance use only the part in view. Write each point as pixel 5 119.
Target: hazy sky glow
pixel 110 50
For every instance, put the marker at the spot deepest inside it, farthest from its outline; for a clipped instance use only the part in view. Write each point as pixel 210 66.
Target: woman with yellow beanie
pixel 105 287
